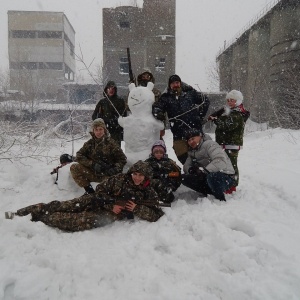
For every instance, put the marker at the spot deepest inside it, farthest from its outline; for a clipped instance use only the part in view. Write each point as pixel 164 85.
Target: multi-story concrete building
pixel 149 32
pixel 264 63
pixel 41 52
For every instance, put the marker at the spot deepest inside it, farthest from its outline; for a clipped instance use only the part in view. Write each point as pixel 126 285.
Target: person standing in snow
pixel 230 124
pixel 166 173
pixel 110 108
pixel 144 78
pixel 185 108
pixel 208 169
pixel 132 192
pixel 99 157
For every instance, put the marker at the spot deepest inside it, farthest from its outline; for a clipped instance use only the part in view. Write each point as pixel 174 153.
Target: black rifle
pixel 131 77
pixel 217 114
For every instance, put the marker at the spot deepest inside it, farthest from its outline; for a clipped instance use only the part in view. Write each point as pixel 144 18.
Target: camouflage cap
pixel 141 167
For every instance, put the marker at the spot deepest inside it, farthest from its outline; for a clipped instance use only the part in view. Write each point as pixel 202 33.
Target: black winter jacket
pixel 184 111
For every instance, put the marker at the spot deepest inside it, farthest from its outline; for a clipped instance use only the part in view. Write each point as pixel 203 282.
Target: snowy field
pixel 246 248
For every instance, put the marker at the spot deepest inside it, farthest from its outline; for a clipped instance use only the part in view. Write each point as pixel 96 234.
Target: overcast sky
pixel 202 26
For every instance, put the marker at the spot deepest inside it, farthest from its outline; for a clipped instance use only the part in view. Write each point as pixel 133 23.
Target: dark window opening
pixel 160 64
pixel 51 65
pixel 50 34
pixel 124 24
pixel 23 34
pixel 124 66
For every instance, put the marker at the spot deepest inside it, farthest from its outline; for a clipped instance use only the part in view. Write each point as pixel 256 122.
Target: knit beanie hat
pixel 159 143
pixel 193 132
pixel 236 95
pixel 174 78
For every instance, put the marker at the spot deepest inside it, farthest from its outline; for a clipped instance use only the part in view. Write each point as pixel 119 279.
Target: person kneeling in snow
pixel 166 173
pixel 208 169
pixel 99 157
pixel 132 192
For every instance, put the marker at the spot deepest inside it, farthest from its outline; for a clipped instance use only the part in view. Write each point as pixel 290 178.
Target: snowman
pixel 141 129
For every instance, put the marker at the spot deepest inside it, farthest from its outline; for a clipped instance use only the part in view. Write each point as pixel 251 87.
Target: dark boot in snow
pixel 9 215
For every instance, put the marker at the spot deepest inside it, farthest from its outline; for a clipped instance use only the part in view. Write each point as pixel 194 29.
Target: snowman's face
pixel 140 100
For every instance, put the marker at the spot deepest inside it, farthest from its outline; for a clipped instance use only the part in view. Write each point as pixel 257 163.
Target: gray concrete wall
pixel 260 60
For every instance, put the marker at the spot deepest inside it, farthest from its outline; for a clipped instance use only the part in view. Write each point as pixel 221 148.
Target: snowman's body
pixel 141 129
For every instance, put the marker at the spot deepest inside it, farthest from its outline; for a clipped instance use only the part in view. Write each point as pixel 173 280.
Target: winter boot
pixel 9 215
pixel 89 190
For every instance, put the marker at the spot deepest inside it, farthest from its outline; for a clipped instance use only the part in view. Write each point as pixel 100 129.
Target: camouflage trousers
pixel 233 156
pixel 83 176
pixel 71 215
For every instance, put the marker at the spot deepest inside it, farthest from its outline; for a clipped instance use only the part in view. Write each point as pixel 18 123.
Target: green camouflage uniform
pixel 166 176
pixel 230 132
pixel 87 212
pixel 94 151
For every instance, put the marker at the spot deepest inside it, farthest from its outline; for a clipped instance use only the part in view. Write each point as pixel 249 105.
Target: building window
pixel 50 34
pixel 124 24
pixel 23 34
pixel 51 65
pixel 124 66
pixel 160 64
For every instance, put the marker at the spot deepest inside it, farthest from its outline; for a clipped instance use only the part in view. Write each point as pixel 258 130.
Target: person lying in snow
pixel 166 173
pixel 116 198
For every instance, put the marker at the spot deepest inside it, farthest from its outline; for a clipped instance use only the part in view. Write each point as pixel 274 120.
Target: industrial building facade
pixel 264 63
pixel 41 52
pixel 149 32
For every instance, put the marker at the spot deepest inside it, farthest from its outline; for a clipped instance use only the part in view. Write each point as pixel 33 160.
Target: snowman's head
pixel 140 99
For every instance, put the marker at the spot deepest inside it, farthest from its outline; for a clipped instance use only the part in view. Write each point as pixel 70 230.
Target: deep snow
pixel 246 248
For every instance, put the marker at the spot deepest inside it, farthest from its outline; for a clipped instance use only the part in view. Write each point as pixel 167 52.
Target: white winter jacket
pixel 211 156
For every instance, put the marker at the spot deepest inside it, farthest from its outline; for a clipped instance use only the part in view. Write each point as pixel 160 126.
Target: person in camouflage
pixel 110 108
pixel 136 199
pixel 98 158
pixel 166 173
pixel 230 129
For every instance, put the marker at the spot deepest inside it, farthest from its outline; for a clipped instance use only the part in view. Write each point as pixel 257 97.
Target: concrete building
pixel 149 32
pixel 41 52
pixel 264 63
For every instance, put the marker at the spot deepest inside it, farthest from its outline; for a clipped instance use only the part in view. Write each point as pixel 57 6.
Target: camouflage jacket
pixel 105 150
pixel 105 110
pixel 121 187
pixel 165 170
pixel 230 127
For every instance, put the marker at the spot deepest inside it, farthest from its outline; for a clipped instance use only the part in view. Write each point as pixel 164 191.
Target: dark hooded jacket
pixel 184 111
pixel 106 111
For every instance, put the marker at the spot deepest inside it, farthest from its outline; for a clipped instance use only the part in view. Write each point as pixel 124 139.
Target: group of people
pixel 209 167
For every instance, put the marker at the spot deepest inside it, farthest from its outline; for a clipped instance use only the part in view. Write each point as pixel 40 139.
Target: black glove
pixel 158 114
pixel 111 171
pixel 193 170
pixel 98 168
pixel 66 158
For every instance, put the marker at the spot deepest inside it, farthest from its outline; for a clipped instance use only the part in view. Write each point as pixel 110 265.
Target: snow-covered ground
pixel 246 248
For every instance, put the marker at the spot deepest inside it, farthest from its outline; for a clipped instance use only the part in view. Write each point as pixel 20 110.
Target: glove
pixel 158 114
pixel 66 159
pixel 98 168
pixel 193 170
pixel 111 171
